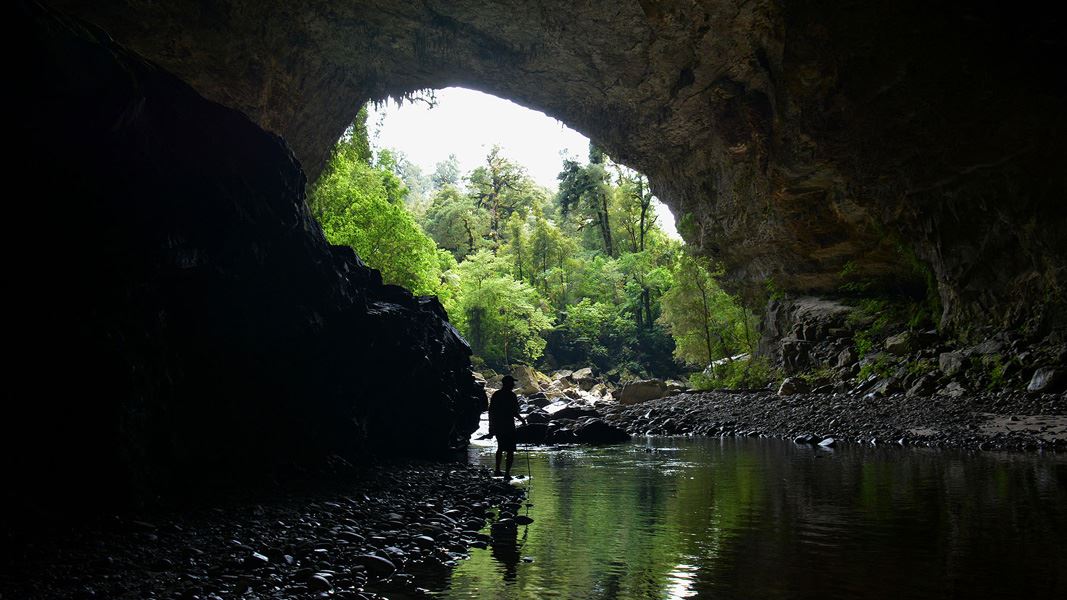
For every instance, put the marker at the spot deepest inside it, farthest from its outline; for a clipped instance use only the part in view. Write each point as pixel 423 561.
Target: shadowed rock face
pixel 177 314
pixel 796 141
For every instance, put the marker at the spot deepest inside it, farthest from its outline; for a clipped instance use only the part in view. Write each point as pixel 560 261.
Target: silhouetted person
pixel 503 410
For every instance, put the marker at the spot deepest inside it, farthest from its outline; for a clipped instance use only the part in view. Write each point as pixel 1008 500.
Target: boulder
pixel 846 357
pixel 885 387
pixel 642 391
pixel 923 386
pixel 953 390
pixel 556 406
pixel 900 344
pixel 950 363
pixel 991 346
pixel 537 416
pixel 562 435
pixel 596 431
pixel 574 411
pixel 676 387
pixel 527 379
pixel 1046 379
pixel 531 433
pixel 601 390
pixel 584 378
pixel 539 400
pixel 792 385
pixel 561 385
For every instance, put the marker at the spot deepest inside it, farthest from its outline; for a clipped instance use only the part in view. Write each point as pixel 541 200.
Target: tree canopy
pixel 582 276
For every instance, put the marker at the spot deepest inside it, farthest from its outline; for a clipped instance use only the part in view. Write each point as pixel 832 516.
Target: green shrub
pixel 881 366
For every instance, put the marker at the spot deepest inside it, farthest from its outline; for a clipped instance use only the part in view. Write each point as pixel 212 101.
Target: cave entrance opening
pixel 435 173
pixel 524 229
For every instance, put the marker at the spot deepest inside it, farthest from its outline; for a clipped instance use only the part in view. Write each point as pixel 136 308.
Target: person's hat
pixel 508 378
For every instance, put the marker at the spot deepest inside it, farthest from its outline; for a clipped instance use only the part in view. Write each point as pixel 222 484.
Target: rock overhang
pixel 801 145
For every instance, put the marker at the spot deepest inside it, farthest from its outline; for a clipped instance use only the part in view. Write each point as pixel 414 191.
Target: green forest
pixel 583 276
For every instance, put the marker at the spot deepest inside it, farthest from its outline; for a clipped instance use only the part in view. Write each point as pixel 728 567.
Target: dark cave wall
pixel 797 141
pixel 176 312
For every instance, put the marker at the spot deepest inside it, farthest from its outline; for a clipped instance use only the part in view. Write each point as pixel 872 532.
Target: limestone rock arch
pixel 793 140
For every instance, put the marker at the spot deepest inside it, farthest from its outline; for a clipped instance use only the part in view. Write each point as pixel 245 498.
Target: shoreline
pixel 995 421
pixel 345 537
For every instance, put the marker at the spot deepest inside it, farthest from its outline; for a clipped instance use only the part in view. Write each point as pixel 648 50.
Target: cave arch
pixel 185 313
pixel 793 140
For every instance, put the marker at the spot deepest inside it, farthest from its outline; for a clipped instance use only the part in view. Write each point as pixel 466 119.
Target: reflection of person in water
pixel 505 550
pixel 503 410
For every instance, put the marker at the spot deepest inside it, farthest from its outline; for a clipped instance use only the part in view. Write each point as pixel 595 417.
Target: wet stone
pixel 318 583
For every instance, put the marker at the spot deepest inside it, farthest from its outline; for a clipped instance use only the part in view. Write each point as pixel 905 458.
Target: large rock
pixel 528 380
pixel 573 411
pixel 1046 379
pixel 953 390
pixel 791 326
pixel 584 378
pixel 531 433
pixel 950 363
pixel 596 431
pixel 900 344
pixel 642 391
pixel 792 385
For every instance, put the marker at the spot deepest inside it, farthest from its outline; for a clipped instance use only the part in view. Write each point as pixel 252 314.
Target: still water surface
pixel 761 518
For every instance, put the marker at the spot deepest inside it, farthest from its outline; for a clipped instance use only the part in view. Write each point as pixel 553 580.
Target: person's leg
pixel 511 459
pixel 498 453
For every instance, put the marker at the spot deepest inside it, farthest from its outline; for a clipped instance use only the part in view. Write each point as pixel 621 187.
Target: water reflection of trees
pixel 763 518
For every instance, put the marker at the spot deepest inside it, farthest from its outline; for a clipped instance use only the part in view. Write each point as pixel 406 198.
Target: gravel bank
pixel 1009 420
pixel 366 531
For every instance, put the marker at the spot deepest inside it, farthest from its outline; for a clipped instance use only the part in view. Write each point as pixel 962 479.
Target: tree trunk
pixel 646 301
pixel 644 208
pixel 605 225
pixel 706 318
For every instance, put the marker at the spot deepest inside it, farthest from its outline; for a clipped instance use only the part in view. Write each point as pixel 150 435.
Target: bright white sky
pixel 468 123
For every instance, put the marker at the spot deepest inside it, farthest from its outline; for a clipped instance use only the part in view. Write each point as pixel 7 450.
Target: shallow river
pixel 761 518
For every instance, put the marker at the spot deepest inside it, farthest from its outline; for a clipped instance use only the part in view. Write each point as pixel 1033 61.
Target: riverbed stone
pixel 636 392
pixel 318 583
pixel 377 566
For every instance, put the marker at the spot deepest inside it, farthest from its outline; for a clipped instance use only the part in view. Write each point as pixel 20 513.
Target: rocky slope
pixel 176 314
pixel 900 146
